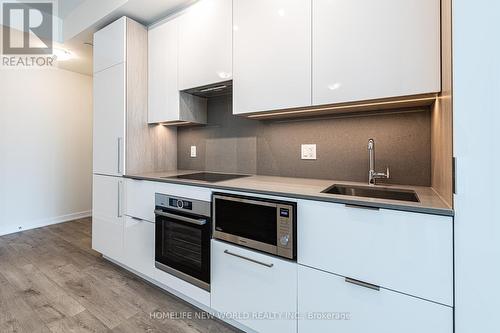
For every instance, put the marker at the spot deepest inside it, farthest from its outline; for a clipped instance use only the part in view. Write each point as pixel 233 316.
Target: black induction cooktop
pixel 209 177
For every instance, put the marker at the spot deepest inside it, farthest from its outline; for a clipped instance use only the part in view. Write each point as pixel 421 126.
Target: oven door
pixel 182 246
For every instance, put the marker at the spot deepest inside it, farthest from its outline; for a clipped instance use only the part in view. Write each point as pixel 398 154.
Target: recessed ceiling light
pixel 62 54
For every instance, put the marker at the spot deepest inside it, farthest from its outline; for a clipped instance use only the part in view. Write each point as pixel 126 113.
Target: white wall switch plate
pixel 193 151
pixel 308 152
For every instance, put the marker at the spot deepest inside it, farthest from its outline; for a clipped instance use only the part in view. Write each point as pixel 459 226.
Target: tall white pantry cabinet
pixel 120 114
pixel 109 138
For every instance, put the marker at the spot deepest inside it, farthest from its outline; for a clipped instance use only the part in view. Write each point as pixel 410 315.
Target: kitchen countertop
pixel 305 188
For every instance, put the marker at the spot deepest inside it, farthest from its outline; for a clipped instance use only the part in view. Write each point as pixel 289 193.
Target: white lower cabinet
pixel 139 245
pixel 140 199
pixel 107 216
pixel 330 304
pixel 408 252
pixel 253 287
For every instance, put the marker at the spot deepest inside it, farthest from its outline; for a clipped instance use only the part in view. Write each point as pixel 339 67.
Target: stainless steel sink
pixel 373 192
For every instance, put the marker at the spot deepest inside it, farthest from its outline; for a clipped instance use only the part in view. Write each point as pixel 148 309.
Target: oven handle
pixel 181 218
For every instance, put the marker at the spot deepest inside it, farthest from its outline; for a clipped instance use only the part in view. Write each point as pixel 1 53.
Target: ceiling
pixel 81 62
pixel 81 18
pixel 77 20
pixel 64 7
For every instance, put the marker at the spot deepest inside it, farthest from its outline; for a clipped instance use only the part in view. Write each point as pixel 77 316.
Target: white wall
pixel 45 147
pixel 476 52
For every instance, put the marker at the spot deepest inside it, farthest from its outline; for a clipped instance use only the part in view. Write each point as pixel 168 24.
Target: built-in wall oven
pixel 182 238
pixel 262 224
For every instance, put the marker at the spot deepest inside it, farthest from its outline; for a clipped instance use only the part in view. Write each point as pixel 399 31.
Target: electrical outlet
pixel 308 152
pixel 193 151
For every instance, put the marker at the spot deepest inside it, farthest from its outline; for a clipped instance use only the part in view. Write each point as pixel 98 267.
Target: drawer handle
pixel 362 284
pixel 248 259
pixel 361 207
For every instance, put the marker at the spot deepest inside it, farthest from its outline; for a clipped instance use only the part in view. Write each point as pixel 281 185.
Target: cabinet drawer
pixel 139 246
pixel 140 196
pixel 350 308
pixel 407 252
pixel 245 283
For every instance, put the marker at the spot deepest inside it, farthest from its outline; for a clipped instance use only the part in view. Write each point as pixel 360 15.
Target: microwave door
pixel 246 222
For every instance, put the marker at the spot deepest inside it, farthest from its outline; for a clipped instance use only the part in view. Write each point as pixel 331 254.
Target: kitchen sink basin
pixel 373 192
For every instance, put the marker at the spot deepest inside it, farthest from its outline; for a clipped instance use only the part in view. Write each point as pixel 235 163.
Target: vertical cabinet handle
pixel 119 144
pixel 119 213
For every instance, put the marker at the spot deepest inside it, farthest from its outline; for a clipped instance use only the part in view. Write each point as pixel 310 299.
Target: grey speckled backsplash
pixel 235 144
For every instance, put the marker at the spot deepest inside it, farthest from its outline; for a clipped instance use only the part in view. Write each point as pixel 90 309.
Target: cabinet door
pixel 365 49
pixel 107 216
pixel 138 246
pixel 272 55
pixel 403 251
pixel 245 283
pixel 344 307
pixel 109 45
pixel 163 91
pixel 109 120
pixel 205 44
pixel 140 199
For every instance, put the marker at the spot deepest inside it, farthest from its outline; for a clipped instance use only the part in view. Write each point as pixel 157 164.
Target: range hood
pixel 212 90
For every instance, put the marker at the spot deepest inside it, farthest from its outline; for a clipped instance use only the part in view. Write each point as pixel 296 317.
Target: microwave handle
pixel 181 218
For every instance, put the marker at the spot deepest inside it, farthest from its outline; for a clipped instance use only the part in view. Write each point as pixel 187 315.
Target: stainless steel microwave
pixel 262 224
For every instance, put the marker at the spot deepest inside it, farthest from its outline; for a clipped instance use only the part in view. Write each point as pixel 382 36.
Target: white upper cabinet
pixel 364 49
pixel 205 44
pixel 163 55
pixel 272 55
pixel 110 45
pixel 166 104
pixel 109 121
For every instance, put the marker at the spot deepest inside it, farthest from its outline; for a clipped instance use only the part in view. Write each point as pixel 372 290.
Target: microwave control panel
pixel 285 230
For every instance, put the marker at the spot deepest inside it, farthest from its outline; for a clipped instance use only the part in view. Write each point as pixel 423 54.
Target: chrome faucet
pixel 372 174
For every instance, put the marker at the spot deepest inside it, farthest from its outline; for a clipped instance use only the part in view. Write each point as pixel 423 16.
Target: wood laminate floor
pixel 52 281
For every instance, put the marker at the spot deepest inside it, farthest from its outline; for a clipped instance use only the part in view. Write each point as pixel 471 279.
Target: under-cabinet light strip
pixel 354 106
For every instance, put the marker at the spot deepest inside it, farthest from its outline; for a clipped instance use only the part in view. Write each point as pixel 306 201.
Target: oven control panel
pixel 188 205
pixel 178 203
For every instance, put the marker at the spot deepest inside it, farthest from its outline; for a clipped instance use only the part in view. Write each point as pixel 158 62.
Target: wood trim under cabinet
pixel 442 115
pixel 149 148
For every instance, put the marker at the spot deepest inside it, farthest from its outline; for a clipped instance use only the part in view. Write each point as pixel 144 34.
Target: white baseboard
pixel 44 222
